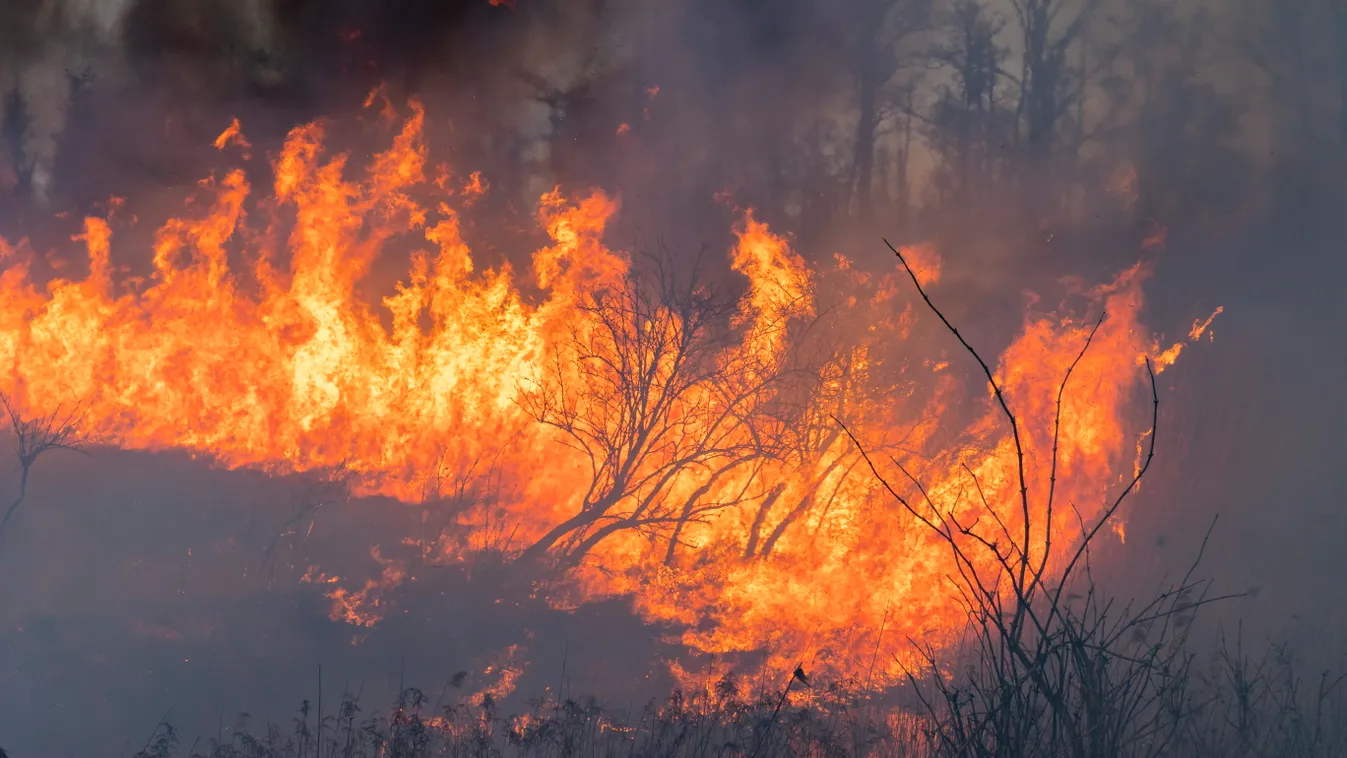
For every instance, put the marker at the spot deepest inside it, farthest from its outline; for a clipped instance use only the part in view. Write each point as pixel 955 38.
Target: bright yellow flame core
pixel 283 367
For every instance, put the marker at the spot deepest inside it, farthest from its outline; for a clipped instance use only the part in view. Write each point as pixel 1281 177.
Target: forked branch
pixel 61 429
pixel 1083 675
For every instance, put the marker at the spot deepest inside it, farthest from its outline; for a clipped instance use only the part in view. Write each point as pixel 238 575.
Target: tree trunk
pixel 800 508
pixel 865 134
pixel 574 557
pixel 587 515
pixel 23 492
pixel 538 550
pixel 690 505
pixel 903 190
pixel 755 532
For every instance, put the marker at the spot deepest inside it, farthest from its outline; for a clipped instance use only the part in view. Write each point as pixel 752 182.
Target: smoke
pixel 506 75
pixel 41 43
pixel 48 44
pixel 182 598
pixel 167 579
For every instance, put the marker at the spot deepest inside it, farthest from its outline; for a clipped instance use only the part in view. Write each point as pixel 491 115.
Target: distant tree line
pixel 924 114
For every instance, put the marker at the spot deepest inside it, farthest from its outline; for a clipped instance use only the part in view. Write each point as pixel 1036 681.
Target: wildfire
pixel 233 135
pixel 661 444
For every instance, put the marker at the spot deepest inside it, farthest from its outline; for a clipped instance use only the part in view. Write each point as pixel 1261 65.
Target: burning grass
pixel 1049 663
pixel 730 461
pixel 660 437
pixel 1238 706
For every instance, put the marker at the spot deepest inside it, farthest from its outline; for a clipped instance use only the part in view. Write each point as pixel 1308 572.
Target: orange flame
pixel 233 135
pixel 717 491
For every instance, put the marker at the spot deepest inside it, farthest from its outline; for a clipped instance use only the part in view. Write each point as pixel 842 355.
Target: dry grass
pixel 1234 707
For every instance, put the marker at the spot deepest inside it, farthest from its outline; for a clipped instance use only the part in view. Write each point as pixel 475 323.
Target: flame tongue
pixel 720 493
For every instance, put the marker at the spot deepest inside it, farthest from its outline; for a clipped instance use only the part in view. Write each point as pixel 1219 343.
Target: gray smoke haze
pixel 135 585
pixel 46 44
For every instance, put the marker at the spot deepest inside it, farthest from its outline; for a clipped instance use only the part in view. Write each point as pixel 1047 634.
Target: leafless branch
pixel 63 428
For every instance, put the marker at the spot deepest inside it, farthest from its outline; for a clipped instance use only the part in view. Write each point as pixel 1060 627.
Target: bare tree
pixel 1054 667
pixel 847 370
pixel 970 125
pixel 876 37
pixel 61 429
pixel 762 393
pixel 893 161
pixel 641 392
pixel 1050 86
pixel 800 440
pixel 802 436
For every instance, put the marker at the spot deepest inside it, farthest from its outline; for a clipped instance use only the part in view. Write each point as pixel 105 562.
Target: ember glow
pixel 596 412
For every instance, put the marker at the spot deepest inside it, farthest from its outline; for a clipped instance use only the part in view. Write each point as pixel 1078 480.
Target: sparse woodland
pixel 957 118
